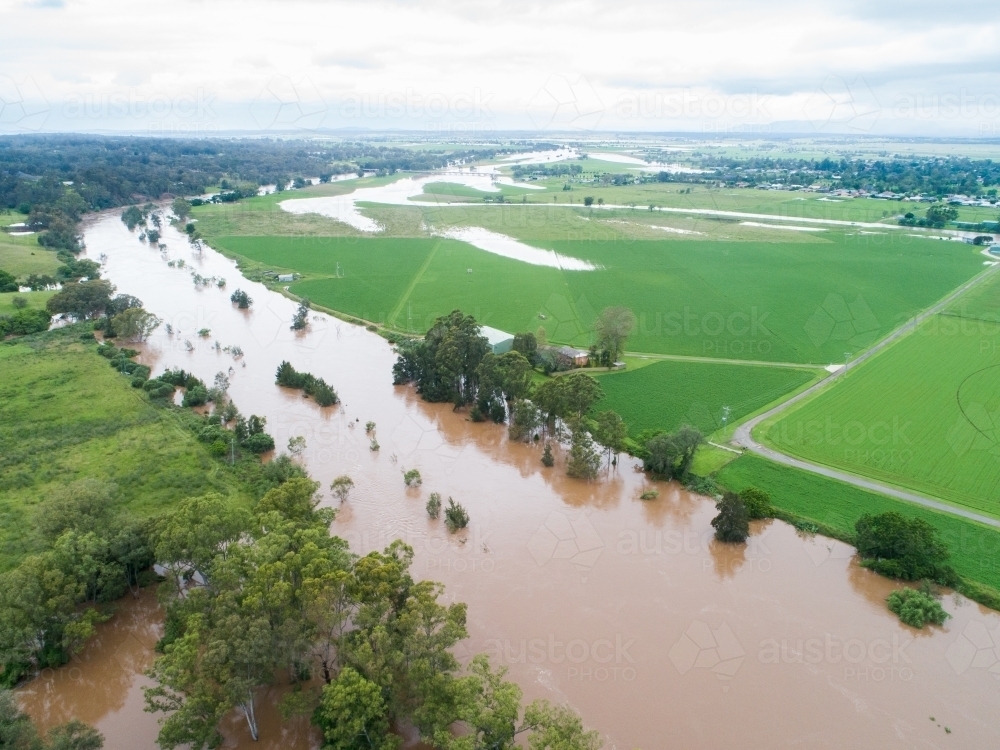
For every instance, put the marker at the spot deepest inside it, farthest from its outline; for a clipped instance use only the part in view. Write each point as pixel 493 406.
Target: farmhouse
pixel 500 341
pixel 572 357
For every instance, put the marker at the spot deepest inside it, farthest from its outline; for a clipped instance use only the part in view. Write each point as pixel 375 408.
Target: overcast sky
pixel 179 66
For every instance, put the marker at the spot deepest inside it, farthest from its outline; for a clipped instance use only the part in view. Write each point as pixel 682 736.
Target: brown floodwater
pixel 625 609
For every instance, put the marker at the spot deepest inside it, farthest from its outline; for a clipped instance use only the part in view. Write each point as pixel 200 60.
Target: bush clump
pixel 916 608
pixel 903 548
pixel 317 388
pixel 758 503
pixel 455 516
pixel 434 505
pixel 412 478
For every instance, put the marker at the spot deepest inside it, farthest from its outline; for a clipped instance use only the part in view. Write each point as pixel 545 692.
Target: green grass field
pixel 924 414
pixel 22 256
pixel 837 506
pixel 807 301
pixel 34 300
pixel 668 394
pixel 66 415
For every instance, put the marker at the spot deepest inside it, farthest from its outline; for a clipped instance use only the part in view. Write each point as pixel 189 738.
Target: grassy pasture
pixel 668 394
pixel 65 415
pixel 35 300
pixel 22 256
pixel 924 414
pixel 805 302
pixel 836 507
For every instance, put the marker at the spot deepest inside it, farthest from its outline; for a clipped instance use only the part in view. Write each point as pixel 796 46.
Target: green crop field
pixel 982 302
pixel 65 415
pixel 668 394
pixel 807 301
pixel 924 414
pixel 838 506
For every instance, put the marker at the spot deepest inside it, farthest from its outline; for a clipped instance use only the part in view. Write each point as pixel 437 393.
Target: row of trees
pixel 258 595
pixel 453 362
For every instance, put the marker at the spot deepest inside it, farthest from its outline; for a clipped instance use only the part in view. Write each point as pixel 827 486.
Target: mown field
pixel 924 414
pixel 668 394
pixel 975 549
pixel 807 301
pixel 65 415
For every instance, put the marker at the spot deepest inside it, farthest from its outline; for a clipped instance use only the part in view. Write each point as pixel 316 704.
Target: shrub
pixel 369 426
pixel 158 389
pixel 916 608
pixel 758 503
pixel 412 478
pixel 547 458
pixel 434 505
pixel 19 302
pixel 649 495
pixel 455 516
pixel 733 522
pixel 241 299
pixel 260 442
pixel 373 445
pixel 197 396
pixel 24 322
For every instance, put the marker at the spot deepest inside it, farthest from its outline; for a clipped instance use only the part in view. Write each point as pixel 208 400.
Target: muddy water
pixel 625 609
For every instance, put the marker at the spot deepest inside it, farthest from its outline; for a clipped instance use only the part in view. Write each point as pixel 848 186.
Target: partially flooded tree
pixel 341 487
pixel 583 460
pixel 732 524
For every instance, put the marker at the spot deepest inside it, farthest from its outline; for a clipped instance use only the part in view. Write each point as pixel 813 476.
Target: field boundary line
pixel 743 436
pixel 725 361
pixel 391 320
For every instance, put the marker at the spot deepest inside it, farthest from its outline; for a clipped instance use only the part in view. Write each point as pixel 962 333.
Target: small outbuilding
pixel 286 277
pixel 500 341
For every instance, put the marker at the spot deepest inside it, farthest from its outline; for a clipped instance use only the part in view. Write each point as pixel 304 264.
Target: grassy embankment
pixel 65 415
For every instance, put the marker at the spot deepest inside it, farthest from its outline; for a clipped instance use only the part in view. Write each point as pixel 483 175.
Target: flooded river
pixel 625 609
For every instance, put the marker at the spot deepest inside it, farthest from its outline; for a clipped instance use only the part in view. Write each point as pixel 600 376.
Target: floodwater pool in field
pixel 344 207
pixel 627 610
pixel 508 247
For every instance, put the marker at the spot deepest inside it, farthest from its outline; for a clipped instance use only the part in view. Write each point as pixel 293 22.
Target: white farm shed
pixel 500 341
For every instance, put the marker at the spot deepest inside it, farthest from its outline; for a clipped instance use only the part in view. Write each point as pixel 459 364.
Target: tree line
pixel 259 595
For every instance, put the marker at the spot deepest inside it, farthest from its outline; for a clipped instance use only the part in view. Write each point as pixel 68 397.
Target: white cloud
pixel 686 64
